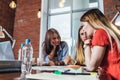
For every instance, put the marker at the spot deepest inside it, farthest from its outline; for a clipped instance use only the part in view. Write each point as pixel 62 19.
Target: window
pixel 64 15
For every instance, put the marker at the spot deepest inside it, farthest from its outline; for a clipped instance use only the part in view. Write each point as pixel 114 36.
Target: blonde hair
pixel 79 49
pixel 97 20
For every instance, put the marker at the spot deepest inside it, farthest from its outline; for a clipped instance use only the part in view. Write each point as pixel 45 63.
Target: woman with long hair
pixel 105 43
pixel 79 58
pixel 54 50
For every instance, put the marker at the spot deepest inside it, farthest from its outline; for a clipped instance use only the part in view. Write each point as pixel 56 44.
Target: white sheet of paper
pixel 52 76
pixel 50 68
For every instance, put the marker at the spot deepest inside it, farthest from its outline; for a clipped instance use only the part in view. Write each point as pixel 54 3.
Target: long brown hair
pixel 79 49
pixel 97 20
pixel 47 47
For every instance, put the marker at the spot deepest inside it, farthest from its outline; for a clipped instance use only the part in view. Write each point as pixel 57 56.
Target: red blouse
pixel 111 60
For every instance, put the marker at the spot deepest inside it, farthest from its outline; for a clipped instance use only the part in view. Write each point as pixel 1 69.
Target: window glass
pixel 62 23
pixel 93 3
pixel 57 6
pixel 83 4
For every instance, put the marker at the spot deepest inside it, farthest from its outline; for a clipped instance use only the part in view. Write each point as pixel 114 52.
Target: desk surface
pixel 9 76
pixel 46 76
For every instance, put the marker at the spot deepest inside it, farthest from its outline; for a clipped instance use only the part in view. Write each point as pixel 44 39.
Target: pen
pixel 67 70
pixel 75 73
pixel 71 73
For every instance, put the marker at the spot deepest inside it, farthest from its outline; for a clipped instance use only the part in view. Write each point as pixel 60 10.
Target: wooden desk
pixel 9 76
pixel 12 75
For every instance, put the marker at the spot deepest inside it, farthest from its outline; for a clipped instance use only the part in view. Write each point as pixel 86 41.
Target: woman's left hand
pixel 87 43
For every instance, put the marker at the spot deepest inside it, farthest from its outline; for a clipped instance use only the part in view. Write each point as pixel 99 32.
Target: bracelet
pixel 85 45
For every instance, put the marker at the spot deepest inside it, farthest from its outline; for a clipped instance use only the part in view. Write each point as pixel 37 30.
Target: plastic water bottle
pixel 20 52
pixel 27 57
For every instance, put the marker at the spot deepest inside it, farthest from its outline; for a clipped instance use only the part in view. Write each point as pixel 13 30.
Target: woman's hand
pixel 58 63
pixel 53 44
pixel 87 43
pixel 51 63
pixel 68 60
pixel 102 75
pixel 51 55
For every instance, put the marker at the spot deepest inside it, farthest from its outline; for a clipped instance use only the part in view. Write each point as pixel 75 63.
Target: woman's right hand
pixel 53 44
pixel 51 63
pixel 51 55
pixel 102 75
pixel 68 60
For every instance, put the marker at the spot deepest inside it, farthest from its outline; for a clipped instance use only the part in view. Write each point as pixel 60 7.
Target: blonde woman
pixel 105 43
pixel 79 56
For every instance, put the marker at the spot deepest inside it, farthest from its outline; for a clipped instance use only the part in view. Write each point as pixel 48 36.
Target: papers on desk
pixel 51 76
pixel 44 75
pixel 50 68
pixel 59 68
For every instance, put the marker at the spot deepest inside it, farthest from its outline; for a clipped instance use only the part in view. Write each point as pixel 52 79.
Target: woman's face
pixel 82 35
pixel 88 29
pixel 55 40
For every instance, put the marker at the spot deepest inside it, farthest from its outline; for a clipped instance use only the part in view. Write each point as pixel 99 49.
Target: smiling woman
pixel 54 50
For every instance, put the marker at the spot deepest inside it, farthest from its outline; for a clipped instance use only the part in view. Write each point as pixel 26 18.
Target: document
pixel 50 68
pixel 49 73
pixel 52 76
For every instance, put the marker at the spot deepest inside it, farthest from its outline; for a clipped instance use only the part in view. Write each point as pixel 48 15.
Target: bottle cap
pixel 22 45
pixel 27 41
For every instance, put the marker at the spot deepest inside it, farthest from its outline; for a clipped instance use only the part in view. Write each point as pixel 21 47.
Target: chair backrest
pixel 6 52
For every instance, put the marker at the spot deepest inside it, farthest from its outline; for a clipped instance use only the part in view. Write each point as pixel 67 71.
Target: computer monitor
pixel 6 52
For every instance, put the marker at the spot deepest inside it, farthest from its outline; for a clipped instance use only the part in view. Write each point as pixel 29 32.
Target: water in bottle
pixel 20 52
pixel 27 59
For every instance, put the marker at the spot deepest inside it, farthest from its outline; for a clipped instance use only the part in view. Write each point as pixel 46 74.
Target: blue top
pixel 61 53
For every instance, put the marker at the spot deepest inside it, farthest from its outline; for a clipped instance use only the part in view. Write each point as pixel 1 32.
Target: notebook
pixel 7 60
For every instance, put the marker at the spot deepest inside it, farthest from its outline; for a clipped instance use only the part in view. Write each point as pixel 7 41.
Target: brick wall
pixel 27 25
pixel 109 8
pixel 7 16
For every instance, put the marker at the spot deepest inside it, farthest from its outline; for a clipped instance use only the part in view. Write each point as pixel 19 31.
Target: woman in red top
pixel 105 52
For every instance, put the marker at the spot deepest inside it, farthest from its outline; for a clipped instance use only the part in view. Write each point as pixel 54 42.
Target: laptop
pixel 10 66
pixel 7 60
